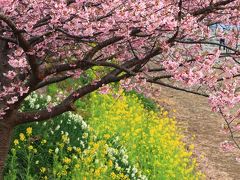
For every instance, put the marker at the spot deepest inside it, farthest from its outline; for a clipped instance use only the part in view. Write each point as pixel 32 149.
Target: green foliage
pixel 52 89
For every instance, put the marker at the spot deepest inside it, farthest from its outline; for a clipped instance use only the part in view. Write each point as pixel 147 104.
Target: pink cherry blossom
pixel 227 146
pixel 104 90
pixel 10 75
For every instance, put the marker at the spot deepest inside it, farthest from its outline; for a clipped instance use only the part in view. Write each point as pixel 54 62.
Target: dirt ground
pixel 197 119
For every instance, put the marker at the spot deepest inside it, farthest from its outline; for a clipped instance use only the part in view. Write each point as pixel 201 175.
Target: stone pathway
pixel 195 116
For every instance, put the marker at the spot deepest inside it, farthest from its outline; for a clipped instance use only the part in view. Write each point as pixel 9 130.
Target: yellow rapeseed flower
pixel 78 149
pixel 77 166
pixel 61 145
pixel 44 141
pixel 85 135
pixel 69 148
pixel 106 136
pixel 165 113
pixel 67 160
pixel 43 169
pixel 88 160
pixel 65 138
pixel 98 172
pixel 22 137
pixel 29 131
pixel 64 172
pixel 30 147
pixel 122 176
pixel 95 146
pixel 50 151
pixel 191 147
pixel 16 142
pixel 113 175
pixel 110 163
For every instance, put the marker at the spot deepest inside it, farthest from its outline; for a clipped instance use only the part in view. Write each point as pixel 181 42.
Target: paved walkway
pixel 193 113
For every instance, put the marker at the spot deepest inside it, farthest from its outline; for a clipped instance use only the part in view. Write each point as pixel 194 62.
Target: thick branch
pixel 65 105
pixel 52 80
pixel 102 45
pixel 212 7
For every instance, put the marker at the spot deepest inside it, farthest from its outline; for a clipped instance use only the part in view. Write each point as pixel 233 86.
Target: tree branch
pixel 8 39
pixel 83 64
pixel 176 88
pixel 52 80
pixel 66 105
pixel 211 7
pixel 206 42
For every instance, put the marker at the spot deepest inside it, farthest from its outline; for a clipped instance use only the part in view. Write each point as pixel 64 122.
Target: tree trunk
pixel 5 139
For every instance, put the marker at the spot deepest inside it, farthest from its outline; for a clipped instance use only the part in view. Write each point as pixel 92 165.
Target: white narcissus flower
pixel 117 167
pixel 82 143
pixel 134 169
pixel 125 161
pixel 57 128
pixel 84 125
pixel 125 156
pixel 49 98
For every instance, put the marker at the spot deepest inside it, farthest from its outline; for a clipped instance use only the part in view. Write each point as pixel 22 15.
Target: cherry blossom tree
pixel 166 42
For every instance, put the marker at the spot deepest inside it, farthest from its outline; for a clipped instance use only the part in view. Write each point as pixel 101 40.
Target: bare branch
pixel 230 129
pixel 206 42
pixel 176 88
